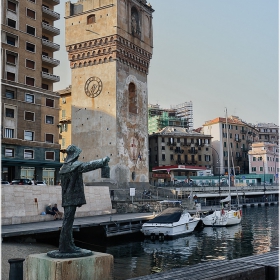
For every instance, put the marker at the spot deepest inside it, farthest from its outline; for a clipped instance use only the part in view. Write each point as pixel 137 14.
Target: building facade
pixel 30 108
pixel 180 115
pixel 109 45
pixel 65 125
pixel 180 150
pixel 240 137
pixel 264 160
pixel 268 132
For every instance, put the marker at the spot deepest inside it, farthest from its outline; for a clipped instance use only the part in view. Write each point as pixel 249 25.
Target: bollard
pixel 16 269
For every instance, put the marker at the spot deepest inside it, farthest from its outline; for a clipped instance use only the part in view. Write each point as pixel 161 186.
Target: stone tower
pixel 109 45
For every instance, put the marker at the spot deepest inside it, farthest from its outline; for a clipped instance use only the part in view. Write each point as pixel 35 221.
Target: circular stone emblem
pixel 93 87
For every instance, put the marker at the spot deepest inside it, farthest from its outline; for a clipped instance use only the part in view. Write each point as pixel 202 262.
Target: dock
pixel 257 267
pixel 114 224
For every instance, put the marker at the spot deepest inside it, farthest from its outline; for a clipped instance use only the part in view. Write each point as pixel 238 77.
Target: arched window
pixel 90 19
pixel 132 98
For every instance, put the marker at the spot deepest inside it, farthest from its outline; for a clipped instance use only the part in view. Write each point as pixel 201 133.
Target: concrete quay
pixel 114 224
pixel 257 267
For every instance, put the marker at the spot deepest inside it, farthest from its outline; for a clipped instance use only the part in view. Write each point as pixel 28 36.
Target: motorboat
pixel 169 223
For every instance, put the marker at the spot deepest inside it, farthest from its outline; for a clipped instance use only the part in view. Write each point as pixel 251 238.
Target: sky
pixel 218 54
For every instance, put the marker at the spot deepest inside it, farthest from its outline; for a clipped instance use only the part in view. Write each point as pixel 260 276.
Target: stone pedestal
pixel 95 267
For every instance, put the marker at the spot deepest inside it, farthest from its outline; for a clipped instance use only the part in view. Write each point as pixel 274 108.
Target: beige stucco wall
pixel 19 202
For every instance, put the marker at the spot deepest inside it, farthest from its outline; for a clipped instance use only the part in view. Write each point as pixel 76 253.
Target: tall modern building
pixel 30 108
pixel 109 45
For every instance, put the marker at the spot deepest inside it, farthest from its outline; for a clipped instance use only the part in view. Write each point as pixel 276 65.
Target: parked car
pixel 41 183
pixel 21 182
pixel 5 183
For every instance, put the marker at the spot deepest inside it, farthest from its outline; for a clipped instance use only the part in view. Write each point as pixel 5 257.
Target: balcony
pixel 237 140
pixel 50 61
pixel 50 14
pixel 51 2
pixel 64 119
pixel 50 77
pixel 243 131
pixel 49 29
pixel 50 45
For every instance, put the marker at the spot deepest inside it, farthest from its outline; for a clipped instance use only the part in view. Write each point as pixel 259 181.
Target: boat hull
pixel 171 229
pixel 223 218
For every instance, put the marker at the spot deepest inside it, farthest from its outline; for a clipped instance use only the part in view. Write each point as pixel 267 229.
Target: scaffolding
pixel 185 111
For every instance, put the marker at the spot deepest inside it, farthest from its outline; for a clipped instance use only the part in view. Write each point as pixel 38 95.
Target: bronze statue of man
pixel 73 196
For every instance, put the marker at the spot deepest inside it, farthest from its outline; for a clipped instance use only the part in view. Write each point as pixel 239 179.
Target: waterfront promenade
pixel 257 267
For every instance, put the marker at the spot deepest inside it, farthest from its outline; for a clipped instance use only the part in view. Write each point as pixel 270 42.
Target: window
pixel 11 76
pixel 49 119
pixel 29 98
pixel 10 94
pixel 28 135
pixel 91 19
pixel 46 70
pixel 162 139
pixel 29 154
pixel 163 156
pixel 12 6
pixel 30 47
pixel 163 147
pixel 29 116
pixel 132 98
pixel 199 157
pixel 207 158
pixel 11 40
pixel 254 158
pixel 45 86
pixel 49 102
pixel 30 13
pixel 225 144
pixel 9 133
pixel 261 168
pixel 49 138
pixel 30 81
pixel 10 113
pixel 30 64
pixel 63 114
pixel 9 152
pixel 50 155
pixel 63 128
pixel 30 30
pixel 254 169
pixel 11 23
pixel 11 58
pixel 171 157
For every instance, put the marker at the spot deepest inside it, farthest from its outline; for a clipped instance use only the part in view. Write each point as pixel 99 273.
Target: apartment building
pixel 30 108
pixel 268 132
pixel 264 160
pixel 183 151
pixel 65 126
pixel 240 135
pixel 180 115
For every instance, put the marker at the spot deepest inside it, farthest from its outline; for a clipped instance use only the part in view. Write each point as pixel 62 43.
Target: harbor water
pixel 136 256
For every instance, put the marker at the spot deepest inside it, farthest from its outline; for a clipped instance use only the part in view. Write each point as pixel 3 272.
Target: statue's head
pixel 72 152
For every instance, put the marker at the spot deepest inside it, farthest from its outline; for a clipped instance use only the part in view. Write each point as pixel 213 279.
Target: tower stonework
pixel 109 45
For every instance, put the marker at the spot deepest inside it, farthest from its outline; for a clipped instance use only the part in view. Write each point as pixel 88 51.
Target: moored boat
pixel 171 222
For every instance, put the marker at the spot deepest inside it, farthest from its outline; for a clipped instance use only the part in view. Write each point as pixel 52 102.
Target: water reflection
pixel 258 233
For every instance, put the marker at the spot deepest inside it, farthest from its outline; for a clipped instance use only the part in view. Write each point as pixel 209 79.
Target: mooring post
pixel 16 269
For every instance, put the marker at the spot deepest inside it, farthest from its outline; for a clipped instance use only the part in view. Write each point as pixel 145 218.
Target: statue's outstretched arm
pixel 93 164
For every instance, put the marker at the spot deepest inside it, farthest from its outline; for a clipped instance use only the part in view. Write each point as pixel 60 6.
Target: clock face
pixel 93 87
